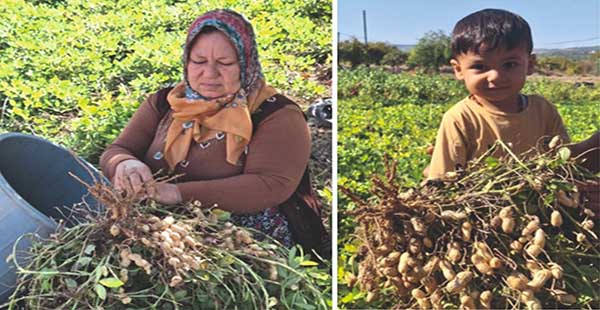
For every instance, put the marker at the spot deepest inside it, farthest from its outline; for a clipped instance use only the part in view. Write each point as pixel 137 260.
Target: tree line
pixel 432 52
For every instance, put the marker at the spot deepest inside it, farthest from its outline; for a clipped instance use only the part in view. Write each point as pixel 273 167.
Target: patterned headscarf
pixel 241 34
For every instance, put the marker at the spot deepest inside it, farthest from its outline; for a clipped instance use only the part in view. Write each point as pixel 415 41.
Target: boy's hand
pixel 429 152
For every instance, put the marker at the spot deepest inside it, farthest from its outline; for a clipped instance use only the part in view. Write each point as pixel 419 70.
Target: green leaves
pixel 111 282
pixel 74 72
pixel 308 263
pixel 100 291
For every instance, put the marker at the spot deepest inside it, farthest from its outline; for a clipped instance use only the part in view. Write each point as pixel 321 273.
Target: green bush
pixel 74 71
pixel 431 52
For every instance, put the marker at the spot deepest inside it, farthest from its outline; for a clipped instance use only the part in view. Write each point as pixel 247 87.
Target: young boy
pixel 491 53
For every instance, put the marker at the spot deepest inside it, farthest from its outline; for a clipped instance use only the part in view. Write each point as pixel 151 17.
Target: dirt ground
pixel 569 78
pixel 321 163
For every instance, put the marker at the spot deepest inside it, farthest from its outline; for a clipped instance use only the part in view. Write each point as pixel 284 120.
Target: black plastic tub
pixel 36 191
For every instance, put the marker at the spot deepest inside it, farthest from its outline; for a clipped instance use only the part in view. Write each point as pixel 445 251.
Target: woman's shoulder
pixel 277 106
pixel 158 100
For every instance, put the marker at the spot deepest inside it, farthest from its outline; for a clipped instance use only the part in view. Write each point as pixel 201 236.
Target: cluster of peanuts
pixel 174 240
pixel 417 270
pixel 234 238
pixel 486 249
pixel 181 243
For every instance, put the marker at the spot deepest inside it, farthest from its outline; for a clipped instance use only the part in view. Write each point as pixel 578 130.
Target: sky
pixel 554 23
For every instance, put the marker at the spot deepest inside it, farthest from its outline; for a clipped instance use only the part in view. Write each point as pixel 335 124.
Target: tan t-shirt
pixel 268 175
pixel 469 129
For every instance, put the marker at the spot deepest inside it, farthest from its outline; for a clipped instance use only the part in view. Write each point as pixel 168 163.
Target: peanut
pixel 556 270
pixel 539 279
pixel 540 238
pixel 430 284
pixel 403 263
pixel 554 142
pixel 587 224
pixel 495 263
pixel 467 302
pixel 485 298
pixel 114 230
pixel 533 250
pixel 565 200
pixel 466 231
pixel 517 281
pixel 531 227
pixel 556 218
pixel 516 245
pixel 175 281
pixel 508 224
pixel 447 270
pixel 459 282
pixel 454 254
pixel 453 215
pixel 506 212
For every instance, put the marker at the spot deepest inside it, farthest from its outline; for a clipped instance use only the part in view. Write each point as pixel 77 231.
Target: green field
pixel 74 71
pixel 398 115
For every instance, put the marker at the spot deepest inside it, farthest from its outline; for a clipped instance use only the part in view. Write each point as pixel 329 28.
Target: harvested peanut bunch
pixel 503 233
pixel 141 255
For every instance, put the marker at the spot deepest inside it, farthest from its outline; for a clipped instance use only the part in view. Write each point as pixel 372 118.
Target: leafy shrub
pixel 431 52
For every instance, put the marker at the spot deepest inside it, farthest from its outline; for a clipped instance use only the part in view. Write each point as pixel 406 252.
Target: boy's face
pixel 495 76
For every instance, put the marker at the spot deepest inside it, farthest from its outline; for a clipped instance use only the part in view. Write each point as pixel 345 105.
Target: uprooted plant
pixel 137 254
pixel 512 232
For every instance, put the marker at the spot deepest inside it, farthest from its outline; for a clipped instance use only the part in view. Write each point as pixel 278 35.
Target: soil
pixel 568 78
pixel 321 163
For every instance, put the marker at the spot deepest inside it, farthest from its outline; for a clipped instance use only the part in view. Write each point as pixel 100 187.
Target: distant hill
pixel 574 53
pixel 571 52
pixel 404 47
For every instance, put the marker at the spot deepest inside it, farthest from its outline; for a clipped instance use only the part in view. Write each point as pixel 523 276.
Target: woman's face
pixel 213 66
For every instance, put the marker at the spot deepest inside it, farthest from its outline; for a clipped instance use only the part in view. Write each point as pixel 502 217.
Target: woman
pixel 208 136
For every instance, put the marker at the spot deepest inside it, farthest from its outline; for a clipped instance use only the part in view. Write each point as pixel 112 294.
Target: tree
pixel 352 51
pixel 376 51
pixel 431 52
pixel 394 57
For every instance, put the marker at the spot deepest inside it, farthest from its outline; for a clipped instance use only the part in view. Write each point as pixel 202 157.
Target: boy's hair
pixel 492 27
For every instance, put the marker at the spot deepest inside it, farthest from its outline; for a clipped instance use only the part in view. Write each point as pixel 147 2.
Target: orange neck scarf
pixel 229 114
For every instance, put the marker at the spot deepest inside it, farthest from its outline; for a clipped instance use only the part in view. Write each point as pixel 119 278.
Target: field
pixel 398 115
pixel 74 71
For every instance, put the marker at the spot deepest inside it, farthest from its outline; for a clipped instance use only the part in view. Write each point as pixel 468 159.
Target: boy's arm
pixel 450 149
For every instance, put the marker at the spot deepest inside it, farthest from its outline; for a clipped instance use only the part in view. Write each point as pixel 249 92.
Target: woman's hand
pixel 131 175
pixel 166 193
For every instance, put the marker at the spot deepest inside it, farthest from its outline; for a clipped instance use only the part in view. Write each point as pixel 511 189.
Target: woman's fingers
pixel 136 182
pixel 135 177
pixel 145 174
